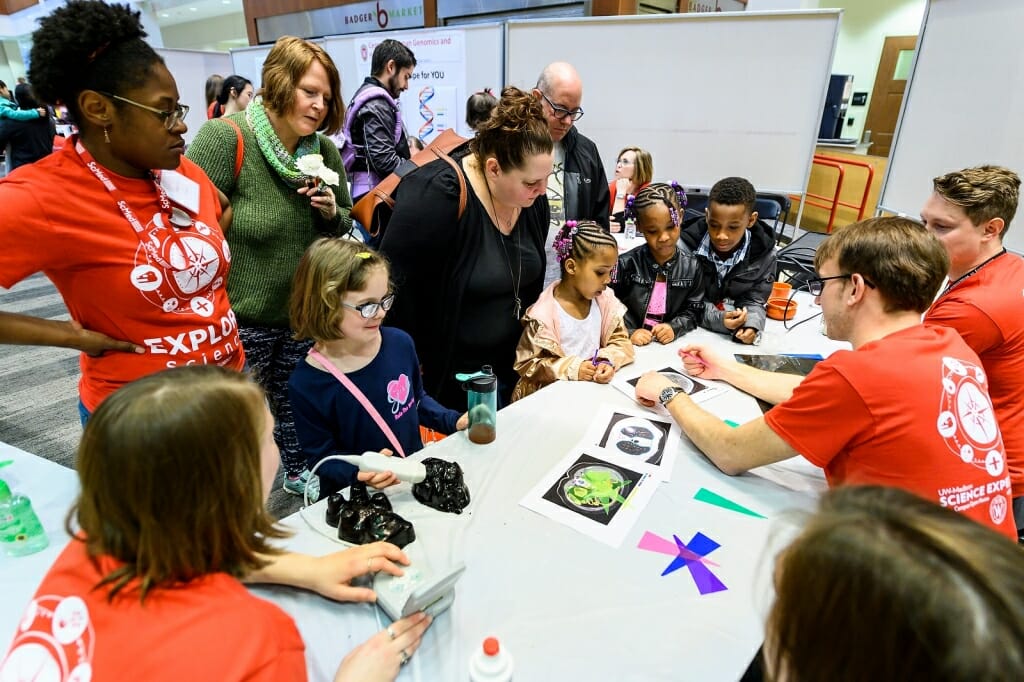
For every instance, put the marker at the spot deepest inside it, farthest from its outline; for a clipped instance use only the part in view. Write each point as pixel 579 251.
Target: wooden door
pixel 886 98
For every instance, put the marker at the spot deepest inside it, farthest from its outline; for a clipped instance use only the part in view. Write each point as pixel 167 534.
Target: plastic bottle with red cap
pixel 490 663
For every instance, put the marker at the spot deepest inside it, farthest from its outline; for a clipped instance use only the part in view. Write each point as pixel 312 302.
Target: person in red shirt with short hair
pixel 907 408
pixel 969 212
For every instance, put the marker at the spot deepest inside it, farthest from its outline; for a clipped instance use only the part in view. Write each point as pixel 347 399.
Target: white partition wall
pixel 964 103
pixel 452 63
pixel 709 94
pixel 248 62
pixel 190 69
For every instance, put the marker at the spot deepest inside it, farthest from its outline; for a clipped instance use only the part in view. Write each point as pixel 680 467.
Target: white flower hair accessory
pixel 313 166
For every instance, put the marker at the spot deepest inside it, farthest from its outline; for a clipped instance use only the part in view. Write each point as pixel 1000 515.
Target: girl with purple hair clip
pixel 660 282
pixel 575 331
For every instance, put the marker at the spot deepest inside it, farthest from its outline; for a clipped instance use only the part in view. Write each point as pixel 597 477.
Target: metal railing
pixel 833 202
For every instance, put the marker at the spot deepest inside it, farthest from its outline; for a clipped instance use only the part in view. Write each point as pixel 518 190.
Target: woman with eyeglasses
pixel 357 371
pixel 634 170
pixel 289 189
pixel 128 230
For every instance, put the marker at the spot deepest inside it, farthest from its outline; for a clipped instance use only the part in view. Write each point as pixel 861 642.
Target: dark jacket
pixel 433 253
pixel 747 285
pixel 373 136
pixel 29 140
pixel 584 186
pixel 634 283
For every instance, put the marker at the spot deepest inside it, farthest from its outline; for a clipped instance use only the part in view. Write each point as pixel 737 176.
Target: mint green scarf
pixel 273 150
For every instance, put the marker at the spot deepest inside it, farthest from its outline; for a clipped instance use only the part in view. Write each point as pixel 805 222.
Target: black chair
pixel 774 210
pixel 796 260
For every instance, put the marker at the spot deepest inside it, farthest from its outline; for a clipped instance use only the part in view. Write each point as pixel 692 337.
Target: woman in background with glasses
pixel 341 293
pixel 126 229
pixel 280 206
pixel 634 170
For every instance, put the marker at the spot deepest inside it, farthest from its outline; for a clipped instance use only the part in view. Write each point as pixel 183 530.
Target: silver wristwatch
pixel 668 393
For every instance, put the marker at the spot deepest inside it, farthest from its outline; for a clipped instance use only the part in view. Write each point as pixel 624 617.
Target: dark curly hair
pixel 733 192
pixel 479 107
pixel 89 45
pixel 515 130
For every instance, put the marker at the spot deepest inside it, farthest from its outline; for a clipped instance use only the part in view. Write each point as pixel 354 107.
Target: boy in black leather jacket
pixel 736 252
pixel 660 284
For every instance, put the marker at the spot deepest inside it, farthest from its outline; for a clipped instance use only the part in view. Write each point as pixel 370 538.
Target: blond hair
pixel 643 167
pixel 330 268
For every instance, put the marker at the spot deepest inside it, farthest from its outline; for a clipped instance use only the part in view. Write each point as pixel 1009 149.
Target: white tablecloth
pixel 565 605
pixel 52 488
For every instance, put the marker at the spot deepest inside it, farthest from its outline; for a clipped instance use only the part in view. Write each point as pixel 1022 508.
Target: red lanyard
pixel 171 217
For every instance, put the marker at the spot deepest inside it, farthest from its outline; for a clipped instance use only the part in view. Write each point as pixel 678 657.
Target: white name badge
pixel 181 190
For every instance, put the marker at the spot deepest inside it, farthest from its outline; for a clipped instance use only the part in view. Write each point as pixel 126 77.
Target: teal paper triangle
pixel 705 495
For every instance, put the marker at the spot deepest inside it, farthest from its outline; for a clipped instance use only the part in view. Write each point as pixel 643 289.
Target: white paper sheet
pixel 626 379
pixel 650 441
pixel 595 492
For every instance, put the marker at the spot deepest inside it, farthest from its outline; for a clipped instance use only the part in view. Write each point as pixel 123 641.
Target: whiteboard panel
pixel 708 94
pixel 248 62
pixel 964 103
pixel 483 64
pixel 190 69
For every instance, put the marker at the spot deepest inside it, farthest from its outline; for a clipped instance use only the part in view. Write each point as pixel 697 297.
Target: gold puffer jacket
pixel 539 356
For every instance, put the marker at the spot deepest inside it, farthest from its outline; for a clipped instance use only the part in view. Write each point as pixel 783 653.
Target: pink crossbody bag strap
pixel 363 400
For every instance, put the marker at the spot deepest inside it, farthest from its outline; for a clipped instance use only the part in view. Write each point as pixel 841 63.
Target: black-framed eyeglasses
pixel 170 118
pixel 368 310
pixel 816 285
pixel 561 112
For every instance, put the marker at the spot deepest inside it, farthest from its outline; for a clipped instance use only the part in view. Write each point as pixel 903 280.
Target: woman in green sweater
pixel 281 203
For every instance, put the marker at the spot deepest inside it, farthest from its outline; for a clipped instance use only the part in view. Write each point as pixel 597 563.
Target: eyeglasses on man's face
pixel 816 285
pixel 561 112
pixel 368 310
pixel 170 118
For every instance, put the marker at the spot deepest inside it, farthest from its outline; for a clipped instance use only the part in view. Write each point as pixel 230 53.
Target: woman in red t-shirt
pixel 129 232
pixel 171 522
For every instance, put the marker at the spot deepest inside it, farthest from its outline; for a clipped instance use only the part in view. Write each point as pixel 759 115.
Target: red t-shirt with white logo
pixel 60 219
pixel 987 309
pixel 209 629
pixel 911 411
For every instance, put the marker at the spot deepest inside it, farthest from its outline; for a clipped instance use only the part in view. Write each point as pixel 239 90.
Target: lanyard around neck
pixel 171 217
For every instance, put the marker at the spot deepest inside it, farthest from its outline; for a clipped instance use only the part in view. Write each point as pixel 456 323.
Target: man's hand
pixel 699 361
pixel 650 386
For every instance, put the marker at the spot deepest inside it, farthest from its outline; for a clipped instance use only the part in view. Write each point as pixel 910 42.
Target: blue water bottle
pixel 20 530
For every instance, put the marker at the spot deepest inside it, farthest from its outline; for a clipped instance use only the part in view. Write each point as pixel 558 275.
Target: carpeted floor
pixel 39 389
